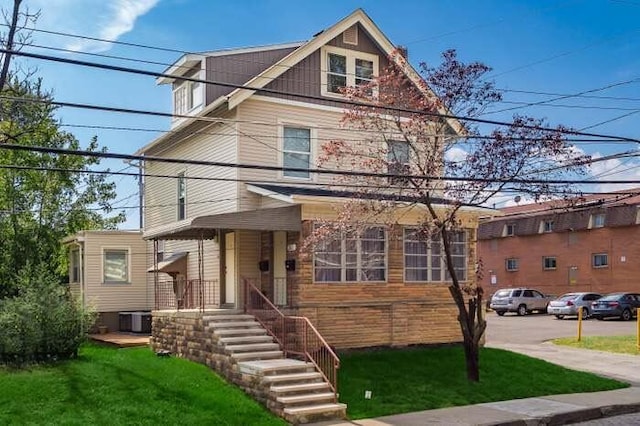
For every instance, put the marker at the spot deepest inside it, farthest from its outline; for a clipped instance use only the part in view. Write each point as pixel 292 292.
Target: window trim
pixel 72 267
pixel 182 178
pixel 546 226
pixel 443 265
pixel 549 268
pixel 313 144
pixel 188 98
pixel 595 219
pixel 516 263
pixel 351 56
pixel 593 260
pixel 343 253
pixel 105 249
pixel 507 227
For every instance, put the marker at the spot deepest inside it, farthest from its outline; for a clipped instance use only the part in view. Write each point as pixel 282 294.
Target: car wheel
pixel 559 316
pixel 500 313
pixel 585 313
pixel 626 315
pixel 522 310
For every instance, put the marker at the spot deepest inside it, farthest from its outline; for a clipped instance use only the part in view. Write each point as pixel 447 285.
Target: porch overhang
pixel 207 227
pixel 173 264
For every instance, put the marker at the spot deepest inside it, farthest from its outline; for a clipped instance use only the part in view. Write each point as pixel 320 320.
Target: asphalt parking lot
pixel 538 328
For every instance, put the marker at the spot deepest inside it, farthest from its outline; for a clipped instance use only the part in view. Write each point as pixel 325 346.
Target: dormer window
pixel 346 68
pixel 509 230
pixel 597 220
pixel 546 226
pixel 187 95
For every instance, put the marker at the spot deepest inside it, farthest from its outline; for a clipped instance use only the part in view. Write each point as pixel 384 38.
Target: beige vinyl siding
pixel 202 196
pixel 122 296
pixel 267 149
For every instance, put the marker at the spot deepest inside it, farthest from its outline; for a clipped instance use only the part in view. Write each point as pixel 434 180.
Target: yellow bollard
pixel 579 324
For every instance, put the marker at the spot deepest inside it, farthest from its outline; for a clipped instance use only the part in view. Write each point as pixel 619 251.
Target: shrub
pixel 44 322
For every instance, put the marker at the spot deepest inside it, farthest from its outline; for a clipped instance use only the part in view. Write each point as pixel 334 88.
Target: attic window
pixel 509 230
pixel 346 68
pixel 350 36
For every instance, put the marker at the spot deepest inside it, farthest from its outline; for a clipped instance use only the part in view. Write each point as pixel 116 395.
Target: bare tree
pixel 17 21
pixel 439 166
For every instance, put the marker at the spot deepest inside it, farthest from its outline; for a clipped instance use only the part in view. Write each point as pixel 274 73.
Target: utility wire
pixel 95 154
pixel 302 96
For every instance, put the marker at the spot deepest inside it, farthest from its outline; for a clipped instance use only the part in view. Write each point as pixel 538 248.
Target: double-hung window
pixel 597 220
pixel 188 95
pixel 346 68
pixel 115 266
pixel 398 162
pixel 600 260
pixel 424 259
pixel 296 152
pixel 74 261
pixel 352 257
pixel 511 264
pixel 182 196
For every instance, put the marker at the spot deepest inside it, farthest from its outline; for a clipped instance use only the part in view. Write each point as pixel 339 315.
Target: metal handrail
pixel 281 326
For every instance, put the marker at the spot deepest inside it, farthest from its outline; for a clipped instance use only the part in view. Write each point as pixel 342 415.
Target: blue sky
pixel 554 46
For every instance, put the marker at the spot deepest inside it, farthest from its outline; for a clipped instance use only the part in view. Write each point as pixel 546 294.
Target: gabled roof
pixel 239 95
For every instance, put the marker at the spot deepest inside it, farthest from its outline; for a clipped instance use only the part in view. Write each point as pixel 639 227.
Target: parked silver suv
pixel 519 300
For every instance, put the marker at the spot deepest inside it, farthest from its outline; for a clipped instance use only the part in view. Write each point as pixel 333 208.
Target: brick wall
pixel 393 313
pixel 573 251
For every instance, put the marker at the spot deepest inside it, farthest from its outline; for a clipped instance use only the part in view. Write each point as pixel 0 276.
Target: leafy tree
pixel 43 197
pixel 440 166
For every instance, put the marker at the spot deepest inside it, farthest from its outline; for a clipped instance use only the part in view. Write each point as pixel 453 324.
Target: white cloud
pixel 107 20
pixel 456 154
pixel 614 169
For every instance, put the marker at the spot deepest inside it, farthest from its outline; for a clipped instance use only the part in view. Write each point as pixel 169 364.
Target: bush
pixel 43 322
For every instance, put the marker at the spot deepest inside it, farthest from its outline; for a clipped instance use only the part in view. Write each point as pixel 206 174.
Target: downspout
pixel 81 256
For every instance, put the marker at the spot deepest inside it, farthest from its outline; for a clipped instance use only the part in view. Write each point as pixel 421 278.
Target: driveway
pixel 530 336
pixel 539 328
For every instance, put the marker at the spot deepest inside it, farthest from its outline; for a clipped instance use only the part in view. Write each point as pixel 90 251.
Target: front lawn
pixel 125 386
pixel 427 378
pixel 617 344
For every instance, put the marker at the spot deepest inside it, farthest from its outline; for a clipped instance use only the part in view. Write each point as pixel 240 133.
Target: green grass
pixel 617 344
pixel 124 386
pixel 428 378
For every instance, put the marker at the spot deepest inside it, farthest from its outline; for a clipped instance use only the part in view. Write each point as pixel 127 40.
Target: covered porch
pixel 211 257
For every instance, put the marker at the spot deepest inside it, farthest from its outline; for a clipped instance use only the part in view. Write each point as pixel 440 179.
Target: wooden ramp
pixel 121 340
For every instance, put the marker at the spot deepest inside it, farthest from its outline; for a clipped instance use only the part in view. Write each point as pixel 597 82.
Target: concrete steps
pixel 293 388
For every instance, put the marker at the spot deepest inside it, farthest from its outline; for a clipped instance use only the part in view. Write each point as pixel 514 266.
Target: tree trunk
pixel 472 358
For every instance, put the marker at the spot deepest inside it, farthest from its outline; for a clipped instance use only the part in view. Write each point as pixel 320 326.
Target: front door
pixel 230 268
pixel 279 270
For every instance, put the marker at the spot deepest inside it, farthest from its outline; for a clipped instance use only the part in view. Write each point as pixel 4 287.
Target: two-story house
pixel 218 231
pixel 585 244
pixel 250 221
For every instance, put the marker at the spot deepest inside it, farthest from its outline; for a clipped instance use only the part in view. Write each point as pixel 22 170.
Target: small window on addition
pixel 597 220
pixel 547 226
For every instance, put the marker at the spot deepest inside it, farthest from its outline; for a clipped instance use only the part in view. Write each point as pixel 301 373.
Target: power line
pixel 95 154
pixel 532 92
pixel 302 96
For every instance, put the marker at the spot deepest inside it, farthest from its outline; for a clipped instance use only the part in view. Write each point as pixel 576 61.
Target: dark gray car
pixel 621 305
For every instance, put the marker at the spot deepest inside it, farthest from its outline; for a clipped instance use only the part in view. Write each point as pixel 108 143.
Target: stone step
pixel 275 367
pixel 223 318
pixel 302 387
pixel 306 398
pixel 232 324
pixel 303 414
pixel 246 339
pixel 252 347
pixel 255 331
pixel 293 377
pixel 254 356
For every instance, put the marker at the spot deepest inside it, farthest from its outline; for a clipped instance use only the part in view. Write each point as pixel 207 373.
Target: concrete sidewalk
pixel 547 410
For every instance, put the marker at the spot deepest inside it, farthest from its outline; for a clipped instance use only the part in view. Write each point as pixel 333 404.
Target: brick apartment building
pixel 587 244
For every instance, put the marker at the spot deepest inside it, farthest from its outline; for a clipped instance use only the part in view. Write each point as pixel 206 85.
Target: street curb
pixel 571 417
